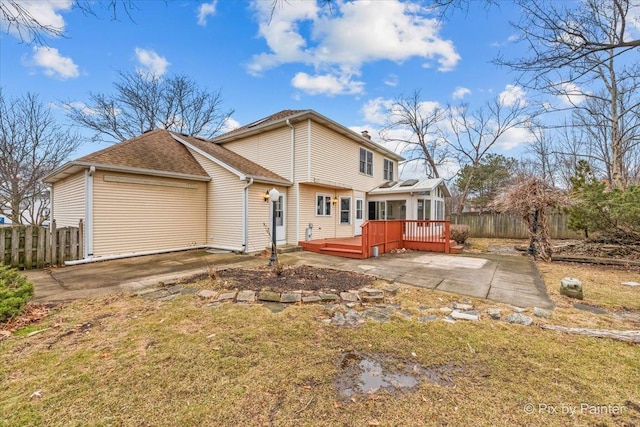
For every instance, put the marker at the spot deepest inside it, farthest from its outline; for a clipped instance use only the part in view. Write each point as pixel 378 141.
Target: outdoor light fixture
pixel 273 195
pixel 265 196
pixel 334 200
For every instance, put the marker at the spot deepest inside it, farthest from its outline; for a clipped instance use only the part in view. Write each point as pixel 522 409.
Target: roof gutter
pixel 245 215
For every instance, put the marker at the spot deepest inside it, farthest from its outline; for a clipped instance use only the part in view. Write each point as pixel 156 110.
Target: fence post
pixel 3 249
pixel 28 247
pixel 42 246
pixel 62 243
pixel 53 247
pixel 15 246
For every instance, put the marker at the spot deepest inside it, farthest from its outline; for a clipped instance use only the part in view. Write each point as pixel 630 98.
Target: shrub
pixel 460 233
pixel 15 292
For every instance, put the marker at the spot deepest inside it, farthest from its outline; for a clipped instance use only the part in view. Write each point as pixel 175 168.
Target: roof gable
pixel 234 162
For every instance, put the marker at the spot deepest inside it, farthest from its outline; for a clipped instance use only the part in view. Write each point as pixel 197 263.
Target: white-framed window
pixel 388 170
pixel 366 162
pixel 323 204
pixel 345 210
pixel 424 209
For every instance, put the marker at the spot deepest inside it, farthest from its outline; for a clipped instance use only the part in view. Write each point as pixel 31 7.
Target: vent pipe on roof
pixel 365 134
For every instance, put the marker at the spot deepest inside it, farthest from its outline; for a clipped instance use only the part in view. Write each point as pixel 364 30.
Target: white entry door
pixel 281 235
pixel 359 217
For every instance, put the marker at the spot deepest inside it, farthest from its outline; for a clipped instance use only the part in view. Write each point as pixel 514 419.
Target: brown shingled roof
pixel 155 150
pixel 232 159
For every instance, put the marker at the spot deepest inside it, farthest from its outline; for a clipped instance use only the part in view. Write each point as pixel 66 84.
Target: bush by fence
pixel 511 226
pixel 27 247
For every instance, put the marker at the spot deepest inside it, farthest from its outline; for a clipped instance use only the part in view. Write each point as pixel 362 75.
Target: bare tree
pixel 17 17
pixel 576 51
pixel 532 199
pixel 32 145
pixel 413 126
pixel 142 102
pixel 472 134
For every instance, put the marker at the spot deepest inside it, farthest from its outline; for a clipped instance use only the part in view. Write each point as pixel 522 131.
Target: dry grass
pixel 127 361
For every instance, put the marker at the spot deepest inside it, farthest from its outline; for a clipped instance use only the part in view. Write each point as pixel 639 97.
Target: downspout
pixel 88 212
pixel 293 179
pixel 51 216
pixel 245 216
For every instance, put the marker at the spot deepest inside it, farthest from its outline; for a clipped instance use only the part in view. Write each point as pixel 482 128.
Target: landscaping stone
pixel 328 297
pixel 541 312
pixel 274 307
pixel 227 296
pixel 391 289
pixel 269 296
pixel 630 284
pixel 494 313
pixel 518 319
pixel 168 297
pixel 188 291
pixel 448 319
pixel 518 309
pixel 405 314
pixel 429 318
pixel 311 299
pixel 207 294
pixel 459 315
pixel 175 289
pixel 349 297
pixel 155 295
pixel 372 298
pixel 371 291
pixel 338 319
pixel 571 287
pixel 459 306
pixel 290 297
pixel 377 314
pixel 352 318
pixel 246 296
pixel 445 310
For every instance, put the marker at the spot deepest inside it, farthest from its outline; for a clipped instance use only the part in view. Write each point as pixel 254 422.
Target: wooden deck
pixel 432 236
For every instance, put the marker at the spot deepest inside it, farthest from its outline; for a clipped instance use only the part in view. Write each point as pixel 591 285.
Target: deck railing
pixel 411 234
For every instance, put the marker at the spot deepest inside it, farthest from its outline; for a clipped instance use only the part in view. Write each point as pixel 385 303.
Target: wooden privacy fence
pixel 509 226
pixel 27 247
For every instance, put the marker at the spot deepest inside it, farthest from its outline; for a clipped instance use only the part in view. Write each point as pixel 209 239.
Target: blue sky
pixel 347 63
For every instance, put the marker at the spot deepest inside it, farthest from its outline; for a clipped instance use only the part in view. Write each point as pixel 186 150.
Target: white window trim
pixel 393 169
pixel 340 210
pixel 324 204
pixel 365 163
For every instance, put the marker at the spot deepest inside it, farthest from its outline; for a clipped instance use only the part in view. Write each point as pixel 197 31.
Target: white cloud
pixel 513 95
pixel 340 41
pixel 376 110
pixel 460 92
pixel 46 12
pixel 205 10
pixel 391 80
pixel 513 138
pixel 151 63
pixel 328 84
pixel 229 125
pixel 54 64
pixel 570 94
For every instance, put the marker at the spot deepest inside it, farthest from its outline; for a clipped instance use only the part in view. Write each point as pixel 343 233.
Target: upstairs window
pixel 388 170
pixel 366 162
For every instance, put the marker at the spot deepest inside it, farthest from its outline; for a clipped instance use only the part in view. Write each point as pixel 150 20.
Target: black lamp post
pixel 274 196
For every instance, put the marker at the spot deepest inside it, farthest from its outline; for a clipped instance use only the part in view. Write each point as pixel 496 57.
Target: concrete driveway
pixel 504 278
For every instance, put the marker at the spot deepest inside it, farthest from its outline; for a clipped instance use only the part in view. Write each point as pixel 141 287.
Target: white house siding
pixel 224 205
pixel 136 213
pixel 324 227
pixel 68 200
pixel 335 158
pixel 269 149
pixel 260 216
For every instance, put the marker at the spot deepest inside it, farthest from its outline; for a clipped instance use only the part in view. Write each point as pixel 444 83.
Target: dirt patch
pixel 301 277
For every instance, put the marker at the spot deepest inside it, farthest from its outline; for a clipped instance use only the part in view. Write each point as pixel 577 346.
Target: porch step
pixel 456 249
pixel 347 253
pixel 285 249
